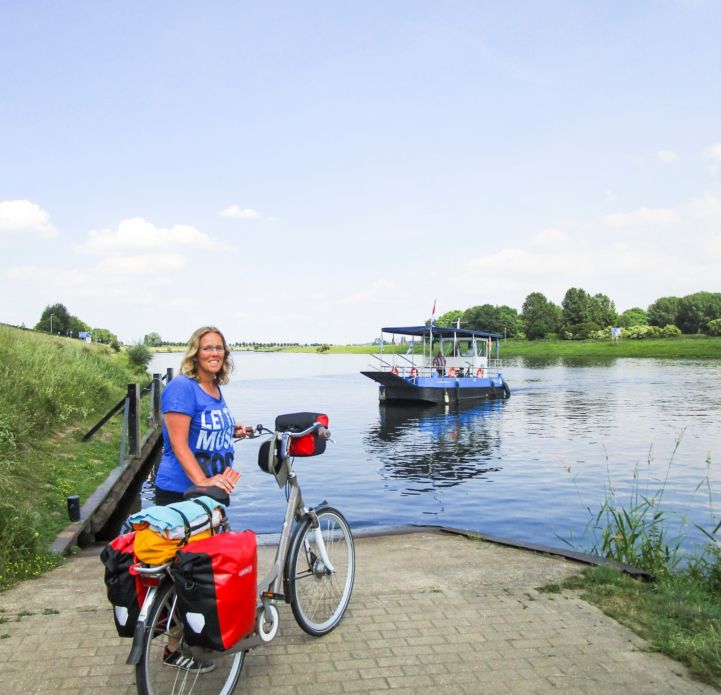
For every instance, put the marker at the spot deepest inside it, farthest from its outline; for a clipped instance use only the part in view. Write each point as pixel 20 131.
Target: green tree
pixel 663 312
pixel 76 326
pixel 509 323
pixel 632 317
pixel 449 318
pixel 153 340
pixel 103 335
pixel 603 311
pixel 139 355
pixel 480 318
pixel 577 313
pixel 493 319
pixel 696 310
pixel 54 319
pixel 540 316
pixel 576 306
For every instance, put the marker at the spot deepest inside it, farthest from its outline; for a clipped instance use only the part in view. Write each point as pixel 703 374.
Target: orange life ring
pixel 452 372
pixel 394 371
pixel 414 372
pixel 479 371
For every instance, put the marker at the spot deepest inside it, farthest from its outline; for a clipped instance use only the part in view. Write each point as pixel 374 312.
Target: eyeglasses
pixel 207 349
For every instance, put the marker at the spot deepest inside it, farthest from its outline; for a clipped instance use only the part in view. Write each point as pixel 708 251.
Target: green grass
pixel 52 391
pixel 679 615
pixel 683 347
pixel 678 612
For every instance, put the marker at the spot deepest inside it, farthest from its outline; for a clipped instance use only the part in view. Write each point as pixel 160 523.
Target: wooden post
pixel 169 374
pixel 156 399
pixel 134 420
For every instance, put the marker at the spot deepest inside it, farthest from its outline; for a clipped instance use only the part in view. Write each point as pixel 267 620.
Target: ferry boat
pixel 441 366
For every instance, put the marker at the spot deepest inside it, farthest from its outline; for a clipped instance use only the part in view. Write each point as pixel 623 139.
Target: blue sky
pixel 313 171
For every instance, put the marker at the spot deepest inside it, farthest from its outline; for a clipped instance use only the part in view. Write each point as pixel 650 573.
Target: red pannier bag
pixel 215 581
pixel 309 445
pixel 125 591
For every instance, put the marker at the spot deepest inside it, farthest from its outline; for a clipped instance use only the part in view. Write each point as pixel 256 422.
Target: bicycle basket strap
pixel 208 511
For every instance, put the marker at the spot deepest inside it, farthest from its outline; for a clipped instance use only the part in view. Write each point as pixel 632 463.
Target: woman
pixel 198 429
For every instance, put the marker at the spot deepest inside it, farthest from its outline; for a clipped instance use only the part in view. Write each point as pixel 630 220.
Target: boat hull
pixel 437 390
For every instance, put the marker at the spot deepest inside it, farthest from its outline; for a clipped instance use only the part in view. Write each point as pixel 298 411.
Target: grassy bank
pixel 679 616
pixel 683 347
pixel 52 391
pixel 678 613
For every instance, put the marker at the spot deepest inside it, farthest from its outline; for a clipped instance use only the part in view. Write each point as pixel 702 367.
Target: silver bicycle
pixel 314 569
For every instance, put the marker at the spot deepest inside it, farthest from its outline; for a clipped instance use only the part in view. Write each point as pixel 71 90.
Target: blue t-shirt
pixel 210 438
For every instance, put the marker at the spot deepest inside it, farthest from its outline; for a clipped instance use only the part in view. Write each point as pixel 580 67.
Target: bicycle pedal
pixel 272 596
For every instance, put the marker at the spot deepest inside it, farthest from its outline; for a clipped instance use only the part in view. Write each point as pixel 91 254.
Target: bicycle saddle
pixel 213 491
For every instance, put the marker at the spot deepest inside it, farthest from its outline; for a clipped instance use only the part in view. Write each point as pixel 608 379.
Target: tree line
pixel 582 315
pixel 56 319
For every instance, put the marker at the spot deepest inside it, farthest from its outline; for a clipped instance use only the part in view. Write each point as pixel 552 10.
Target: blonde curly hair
pixel 189 365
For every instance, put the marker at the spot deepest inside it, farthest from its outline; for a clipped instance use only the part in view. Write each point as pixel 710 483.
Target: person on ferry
pixel 439 363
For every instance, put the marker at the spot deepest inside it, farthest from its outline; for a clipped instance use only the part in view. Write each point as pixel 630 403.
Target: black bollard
pixel 74 508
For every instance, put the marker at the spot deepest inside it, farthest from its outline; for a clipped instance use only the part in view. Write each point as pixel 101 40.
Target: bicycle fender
pixel 136 651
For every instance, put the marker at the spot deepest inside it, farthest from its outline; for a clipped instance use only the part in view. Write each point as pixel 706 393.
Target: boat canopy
pixel 439 332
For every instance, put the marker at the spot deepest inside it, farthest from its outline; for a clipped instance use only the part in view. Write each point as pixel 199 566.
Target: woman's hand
pixel 224 481
pixel 241 431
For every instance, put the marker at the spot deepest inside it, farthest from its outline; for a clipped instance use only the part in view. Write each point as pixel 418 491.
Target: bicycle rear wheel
pixel 153 677
pixel 319 596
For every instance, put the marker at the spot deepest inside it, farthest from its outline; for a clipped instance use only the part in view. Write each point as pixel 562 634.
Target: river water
pixel 528 468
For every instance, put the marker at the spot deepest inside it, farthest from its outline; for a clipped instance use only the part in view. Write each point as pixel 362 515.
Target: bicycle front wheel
pixel 164 633
pixel 319 594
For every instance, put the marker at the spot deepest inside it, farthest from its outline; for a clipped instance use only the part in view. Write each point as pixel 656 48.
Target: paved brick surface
pixel 431 613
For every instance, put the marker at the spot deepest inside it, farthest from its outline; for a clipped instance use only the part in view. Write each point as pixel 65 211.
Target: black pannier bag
pixel 309 445
pixel 125 591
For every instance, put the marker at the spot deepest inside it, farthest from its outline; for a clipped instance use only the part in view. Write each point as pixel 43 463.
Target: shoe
pixel 186 663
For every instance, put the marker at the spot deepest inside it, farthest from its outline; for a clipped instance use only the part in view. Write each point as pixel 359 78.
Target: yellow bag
pixel 153 549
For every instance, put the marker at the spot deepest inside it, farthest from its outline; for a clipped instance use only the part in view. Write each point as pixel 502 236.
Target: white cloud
pixel 138 235
pixel 238 213
pixel 642 216
pixel 667 156
pixel 24 217
pixel 149 264
pixel 550 236
pixel 715 152
pixel 632 257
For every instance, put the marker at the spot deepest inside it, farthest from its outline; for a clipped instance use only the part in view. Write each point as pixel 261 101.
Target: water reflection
pixel 436 447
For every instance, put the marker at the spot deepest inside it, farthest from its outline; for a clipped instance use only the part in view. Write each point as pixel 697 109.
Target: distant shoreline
pixel 682 347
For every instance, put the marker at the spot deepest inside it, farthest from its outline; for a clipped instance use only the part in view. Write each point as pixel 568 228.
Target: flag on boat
pixel 433 313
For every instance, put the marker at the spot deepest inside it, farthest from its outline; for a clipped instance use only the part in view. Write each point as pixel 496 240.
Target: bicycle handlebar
pixel 323 432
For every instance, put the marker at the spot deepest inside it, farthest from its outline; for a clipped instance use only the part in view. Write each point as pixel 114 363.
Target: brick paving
pixel 430 613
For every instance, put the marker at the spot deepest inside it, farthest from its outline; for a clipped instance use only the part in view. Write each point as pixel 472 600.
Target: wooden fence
pixel 141 434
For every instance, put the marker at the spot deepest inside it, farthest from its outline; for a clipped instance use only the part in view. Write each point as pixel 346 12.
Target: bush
pixel 713 327
pixel 640 332
pixel 139 355
pixel 671 331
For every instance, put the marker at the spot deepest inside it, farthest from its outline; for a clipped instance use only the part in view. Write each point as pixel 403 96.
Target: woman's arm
pixel 178 426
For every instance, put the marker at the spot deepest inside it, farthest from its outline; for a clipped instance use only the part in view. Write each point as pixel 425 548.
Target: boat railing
pixel 408 367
